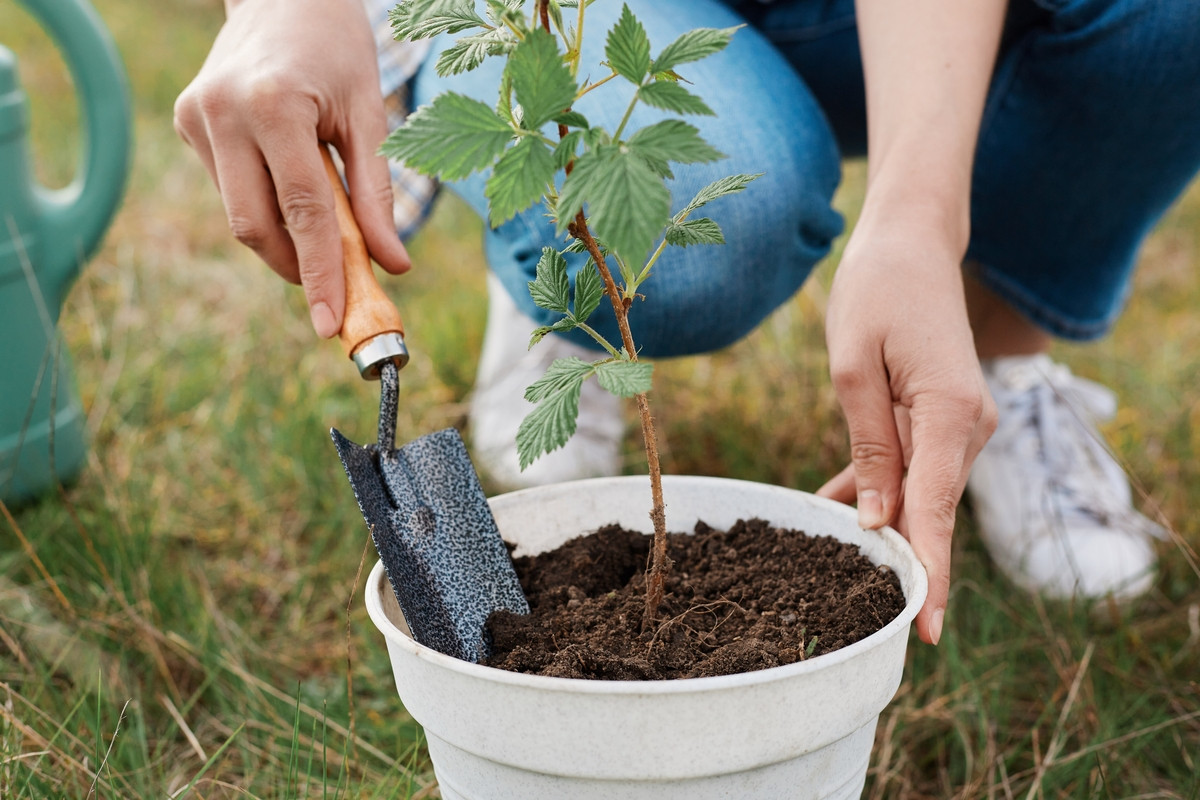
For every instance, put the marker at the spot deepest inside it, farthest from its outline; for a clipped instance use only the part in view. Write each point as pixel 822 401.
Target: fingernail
pixel 870 509
pixel 322 320
pixel 935 626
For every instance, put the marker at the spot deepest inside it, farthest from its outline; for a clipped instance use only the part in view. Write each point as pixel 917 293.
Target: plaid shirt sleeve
pixel 414 193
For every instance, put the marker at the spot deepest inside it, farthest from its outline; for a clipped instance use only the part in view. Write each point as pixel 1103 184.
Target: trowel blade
pixel 433 528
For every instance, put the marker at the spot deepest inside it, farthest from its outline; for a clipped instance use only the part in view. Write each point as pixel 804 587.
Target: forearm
pixel 927 65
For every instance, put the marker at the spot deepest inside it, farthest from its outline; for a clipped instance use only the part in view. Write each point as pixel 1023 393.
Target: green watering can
pixel 45 238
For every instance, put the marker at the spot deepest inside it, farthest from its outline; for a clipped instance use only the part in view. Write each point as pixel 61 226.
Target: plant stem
pixel 598 83
pixel 625 119
pixel 659 563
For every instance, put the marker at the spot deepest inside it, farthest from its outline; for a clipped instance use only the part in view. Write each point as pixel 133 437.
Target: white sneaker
pixel 506 368
pixel 1054 508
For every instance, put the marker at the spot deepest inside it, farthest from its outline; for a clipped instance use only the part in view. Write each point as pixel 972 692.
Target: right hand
pixel 283 76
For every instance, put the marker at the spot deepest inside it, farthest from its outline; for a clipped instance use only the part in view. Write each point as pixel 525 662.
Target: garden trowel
pixel 423 502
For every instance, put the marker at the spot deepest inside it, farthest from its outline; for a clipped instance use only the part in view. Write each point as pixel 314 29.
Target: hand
pixel 905 371
pixel 282 76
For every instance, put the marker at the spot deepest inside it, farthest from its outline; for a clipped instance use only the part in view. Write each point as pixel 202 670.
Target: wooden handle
pixel 369 311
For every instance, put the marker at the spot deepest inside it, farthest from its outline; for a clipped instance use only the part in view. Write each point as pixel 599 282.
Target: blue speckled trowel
pixel 423 503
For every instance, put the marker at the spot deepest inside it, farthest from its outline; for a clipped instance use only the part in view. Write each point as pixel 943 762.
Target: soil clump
pixel 740 600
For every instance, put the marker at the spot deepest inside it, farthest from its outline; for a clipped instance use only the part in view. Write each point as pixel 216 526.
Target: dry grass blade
pixel 1056 738
pixel 183 726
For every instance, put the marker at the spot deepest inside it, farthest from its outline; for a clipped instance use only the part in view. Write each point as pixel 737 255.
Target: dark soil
pixel 740 600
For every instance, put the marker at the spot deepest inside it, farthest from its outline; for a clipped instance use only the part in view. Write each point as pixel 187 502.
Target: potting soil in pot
pixel 740 600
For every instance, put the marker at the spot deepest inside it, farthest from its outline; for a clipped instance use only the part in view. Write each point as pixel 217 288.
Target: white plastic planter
pixel 789 733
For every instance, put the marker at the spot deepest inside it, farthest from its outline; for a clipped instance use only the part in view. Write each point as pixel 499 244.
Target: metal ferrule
pixel 383 348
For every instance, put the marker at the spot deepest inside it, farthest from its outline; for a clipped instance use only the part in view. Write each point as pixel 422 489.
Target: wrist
pixel 935 211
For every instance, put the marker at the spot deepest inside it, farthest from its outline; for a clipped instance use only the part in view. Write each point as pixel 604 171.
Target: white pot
pixel 799 731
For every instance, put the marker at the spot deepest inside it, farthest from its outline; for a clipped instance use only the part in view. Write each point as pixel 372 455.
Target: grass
pixel 196 629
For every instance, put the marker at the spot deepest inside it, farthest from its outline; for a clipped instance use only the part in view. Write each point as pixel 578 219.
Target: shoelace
pixel 1081 474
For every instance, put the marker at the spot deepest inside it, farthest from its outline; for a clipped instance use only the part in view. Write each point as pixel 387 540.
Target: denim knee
pixel 1092 130
pixel 701 298
pixel 704 297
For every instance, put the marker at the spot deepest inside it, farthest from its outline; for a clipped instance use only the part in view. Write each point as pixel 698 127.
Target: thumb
pixel 370 189
pixel 875 449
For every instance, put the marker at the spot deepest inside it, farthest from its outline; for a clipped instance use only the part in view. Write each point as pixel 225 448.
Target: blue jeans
pixel 1091 130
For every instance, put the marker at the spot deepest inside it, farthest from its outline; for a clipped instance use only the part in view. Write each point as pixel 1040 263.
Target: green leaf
pixel 566 148
pixel 718 188
pixel 469 52
pixel 672 140
pixel 694 231
pixel 561 374
pixel 595 137
pixel 519 179
pixel 543 83
pixel 423 19
pixel 564 324
pixel 549 288
pixel 502 11
pixel 450 138
pixel 589 290
pixel 628 47
pixel 670 96
pixel 625 378
pixel 693 46
pixel 572 119
pixel 628 205
pixel 552 423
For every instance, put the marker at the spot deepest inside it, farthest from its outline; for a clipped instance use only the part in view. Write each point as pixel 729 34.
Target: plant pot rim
pixel 377 583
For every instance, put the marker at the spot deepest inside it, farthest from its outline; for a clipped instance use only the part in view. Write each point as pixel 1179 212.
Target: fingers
pixel 252 211
pixel 370 185
pixel 306 204
pixel 840 487
pixel 875 448
pixel 946 440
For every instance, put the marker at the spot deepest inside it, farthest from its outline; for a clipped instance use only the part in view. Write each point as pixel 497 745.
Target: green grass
pixel 187 633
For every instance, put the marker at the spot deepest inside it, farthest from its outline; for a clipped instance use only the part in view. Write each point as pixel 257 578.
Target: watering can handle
pixel 372 331
pixel 73 219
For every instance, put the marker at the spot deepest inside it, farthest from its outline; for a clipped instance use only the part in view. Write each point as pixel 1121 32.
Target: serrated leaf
pixel 565 150
pixel 670 96
pixel 543 83
pixel 693 46
pixel 694 231
pixel 595 137
pixel 672 140
pixel 718 188
pixel 628 205
pixel 562 373
pixel 550 288
pixel 564 324
pixel 552 423
pixel 589 290
pixel 625 378
pixel 576 246
pixel 572 119
pixel 424 19
pixel 469 52
pixel 450 138
pixel 519 179
pixel 501 11
pixel 628 47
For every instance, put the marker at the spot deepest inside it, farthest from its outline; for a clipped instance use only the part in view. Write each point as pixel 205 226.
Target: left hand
pixel 904 367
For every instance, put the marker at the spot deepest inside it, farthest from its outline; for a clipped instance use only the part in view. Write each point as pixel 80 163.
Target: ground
pixel 186 619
